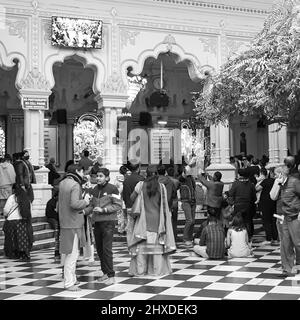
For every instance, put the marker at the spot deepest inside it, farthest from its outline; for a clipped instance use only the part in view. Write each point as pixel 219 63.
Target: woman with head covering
pixel 17 226
pixel 151 238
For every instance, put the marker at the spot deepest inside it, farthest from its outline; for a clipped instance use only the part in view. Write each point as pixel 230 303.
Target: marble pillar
pixel 220 149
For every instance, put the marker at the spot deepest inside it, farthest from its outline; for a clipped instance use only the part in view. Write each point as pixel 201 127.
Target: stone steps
pixel 44 235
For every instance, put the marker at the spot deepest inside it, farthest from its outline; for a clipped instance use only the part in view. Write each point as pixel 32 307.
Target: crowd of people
pixel 85 207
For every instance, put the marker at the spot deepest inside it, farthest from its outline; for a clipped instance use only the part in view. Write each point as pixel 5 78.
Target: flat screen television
pixel 76 33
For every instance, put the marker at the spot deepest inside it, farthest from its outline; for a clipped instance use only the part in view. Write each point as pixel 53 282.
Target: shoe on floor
pixel 103 278
pixel 109 281
pixel 285 274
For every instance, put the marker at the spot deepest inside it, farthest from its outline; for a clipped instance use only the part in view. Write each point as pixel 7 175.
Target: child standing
pixel 105 204
pixel 237 239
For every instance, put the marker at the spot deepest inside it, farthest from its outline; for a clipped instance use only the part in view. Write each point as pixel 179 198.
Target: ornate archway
pixel 9 60
pixel 195 69
pixel 86 58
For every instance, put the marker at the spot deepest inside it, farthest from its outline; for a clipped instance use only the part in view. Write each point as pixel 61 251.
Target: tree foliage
pixel 263 80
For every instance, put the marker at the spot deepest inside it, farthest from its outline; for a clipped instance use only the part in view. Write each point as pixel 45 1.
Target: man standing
pixel 243 195
pixel 188 204
pixel 174 207
pixel 170 186
pixel 71 221
pixel 85 161
pixel 214 193
pixel 129 184
pixel 25 174
pixel 53 174
pixel 290 197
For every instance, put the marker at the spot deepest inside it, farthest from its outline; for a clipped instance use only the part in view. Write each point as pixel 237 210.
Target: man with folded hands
pixel 105 203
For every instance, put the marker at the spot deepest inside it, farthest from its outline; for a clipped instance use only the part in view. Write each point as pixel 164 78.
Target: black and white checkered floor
pixel 193 278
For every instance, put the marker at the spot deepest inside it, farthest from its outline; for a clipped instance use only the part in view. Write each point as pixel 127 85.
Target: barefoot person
pixel 71 220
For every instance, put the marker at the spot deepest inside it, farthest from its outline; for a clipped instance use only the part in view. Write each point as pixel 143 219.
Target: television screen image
pixel 76 33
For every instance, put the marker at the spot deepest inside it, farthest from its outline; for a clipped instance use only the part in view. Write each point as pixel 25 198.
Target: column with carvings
pixel 34 92
pixel 111 105
pixel 111 101
pixel 34 103
pixel 277 144
pixel 220 134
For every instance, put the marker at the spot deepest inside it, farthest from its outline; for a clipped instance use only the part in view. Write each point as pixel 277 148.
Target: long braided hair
pixel 23 202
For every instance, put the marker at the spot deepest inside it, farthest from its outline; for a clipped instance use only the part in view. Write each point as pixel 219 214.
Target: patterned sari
pixel 150 250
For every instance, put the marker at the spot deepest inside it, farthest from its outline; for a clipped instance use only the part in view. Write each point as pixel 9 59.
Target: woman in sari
pixel 17 227
pixel 151 237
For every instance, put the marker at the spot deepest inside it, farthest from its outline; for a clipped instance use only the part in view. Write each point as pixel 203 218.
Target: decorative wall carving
pixel 209 44
pixel 114 84
pixel 216 6
pixel 128 36
pixel 35 41
pixel 34 4
pixel 17 28
pixel 169 40
pixel 114 40
pixel 46 26
pixel 35 80
pixel 223 42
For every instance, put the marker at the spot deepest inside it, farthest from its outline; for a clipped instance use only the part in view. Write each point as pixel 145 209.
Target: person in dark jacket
pixel 25 174
pixel 243 196
pixel 129 184
pixel 105 203
pixel 290 196
pixel 174 206
pixel 268 208
pixel 188 203
pixel 53 220
pixel 170 186
pixel 53 175
pixel 214 193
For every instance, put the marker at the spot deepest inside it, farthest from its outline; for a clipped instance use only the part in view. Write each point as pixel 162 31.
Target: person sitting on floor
pixel 212 241
pixel 237 239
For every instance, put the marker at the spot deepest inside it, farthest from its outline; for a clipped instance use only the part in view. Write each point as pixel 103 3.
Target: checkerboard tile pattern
pixel 193 278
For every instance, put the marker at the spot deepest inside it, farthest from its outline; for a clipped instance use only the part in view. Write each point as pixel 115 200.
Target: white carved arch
pixel 88 60
pixel 195 69
pixel 7 62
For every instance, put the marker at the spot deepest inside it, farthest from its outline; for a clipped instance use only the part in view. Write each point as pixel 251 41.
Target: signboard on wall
pixel 35 103
pixel 160 145
pixel 50 143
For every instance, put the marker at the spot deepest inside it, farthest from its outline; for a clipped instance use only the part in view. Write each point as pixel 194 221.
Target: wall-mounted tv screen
pixel 76 33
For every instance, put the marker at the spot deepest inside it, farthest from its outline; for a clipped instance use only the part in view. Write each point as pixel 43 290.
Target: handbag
pixel 4 227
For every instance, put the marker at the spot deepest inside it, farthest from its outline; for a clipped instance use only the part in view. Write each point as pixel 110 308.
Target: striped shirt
pixel 213 238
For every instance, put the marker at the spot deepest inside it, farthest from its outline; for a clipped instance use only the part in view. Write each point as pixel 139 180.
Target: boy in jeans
pixel 105 203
